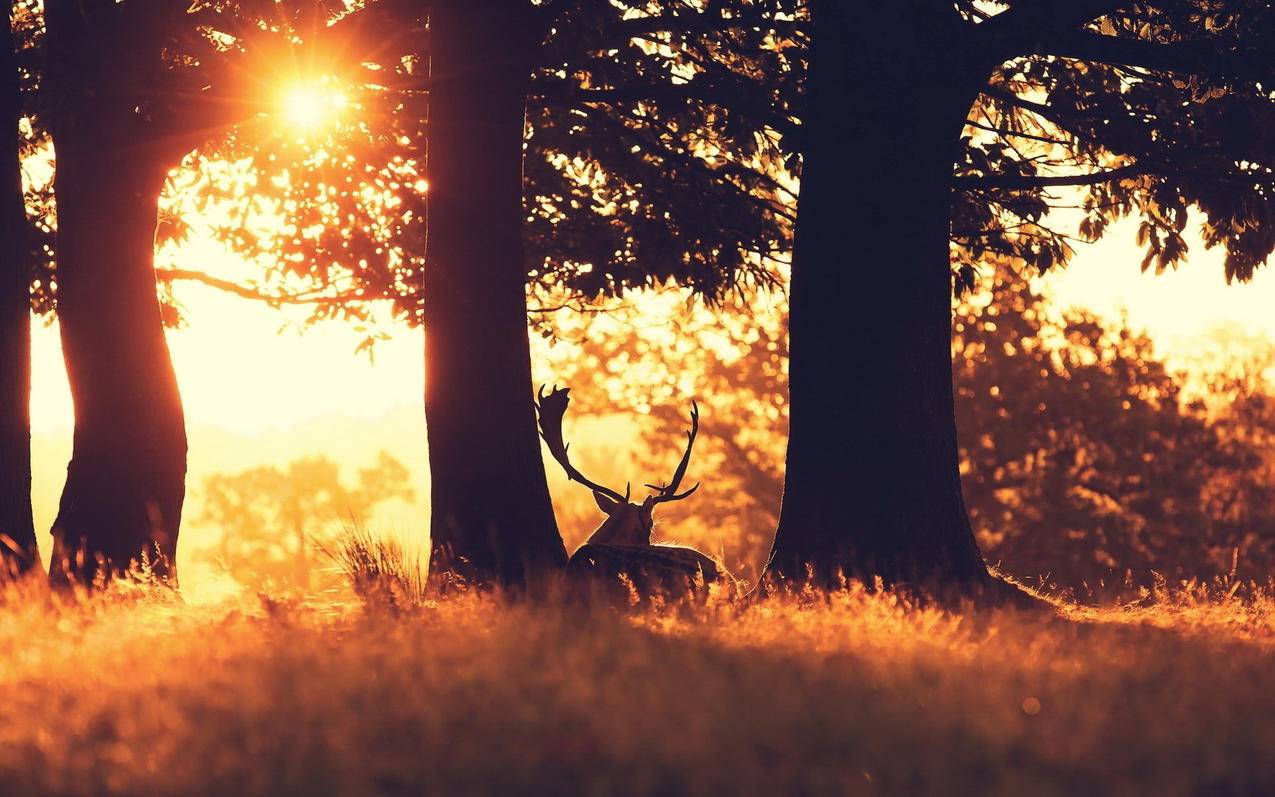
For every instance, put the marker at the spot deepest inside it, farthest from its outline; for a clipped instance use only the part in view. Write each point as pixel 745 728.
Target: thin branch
pixel 1016 134
pixel 1017 182
pixel 671 92
pixel 170 275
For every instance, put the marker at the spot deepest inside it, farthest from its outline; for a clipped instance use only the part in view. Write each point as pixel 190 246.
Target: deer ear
pixel 605 504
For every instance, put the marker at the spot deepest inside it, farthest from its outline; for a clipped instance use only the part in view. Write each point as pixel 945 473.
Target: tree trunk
pixel 873 486
pixel 18 550
pixel 492 520
pixel 126 481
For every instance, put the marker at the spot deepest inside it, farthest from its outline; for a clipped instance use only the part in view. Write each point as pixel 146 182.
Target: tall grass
pixel 137 692
pixel 379 570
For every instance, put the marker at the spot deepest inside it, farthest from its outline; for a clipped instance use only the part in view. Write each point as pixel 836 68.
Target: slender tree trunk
pixel 18 546
pixel 126 481
pixel 872 486
pixel 492 520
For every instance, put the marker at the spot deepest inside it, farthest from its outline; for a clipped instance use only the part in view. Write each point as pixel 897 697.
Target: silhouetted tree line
pixel 592 148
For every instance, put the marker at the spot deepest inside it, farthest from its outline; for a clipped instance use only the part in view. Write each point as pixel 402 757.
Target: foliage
pixel 274 521
pixel 181 78
pixel 1086 460
pixel 1141 109
pixel 645 113
pixel 639 115
pixel 26 22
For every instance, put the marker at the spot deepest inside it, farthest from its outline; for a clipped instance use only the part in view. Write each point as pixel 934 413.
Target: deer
pixel 622 546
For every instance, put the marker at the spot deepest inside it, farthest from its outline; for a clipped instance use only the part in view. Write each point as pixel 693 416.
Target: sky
pixel 249 368
pixel 1178 308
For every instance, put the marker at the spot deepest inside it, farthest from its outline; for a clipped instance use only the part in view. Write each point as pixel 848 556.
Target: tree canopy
pixel 1119 109
pixel 635 123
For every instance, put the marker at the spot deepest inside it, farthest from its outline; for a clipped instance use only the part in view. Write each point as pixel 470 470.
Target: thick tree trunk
pixel 872 486
pixel 492 520
pixel 17 546
pixel 126 481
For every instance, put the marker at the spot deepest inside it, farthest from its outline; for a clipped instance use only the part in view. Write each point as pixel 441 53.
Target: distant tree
pixel 273 519
pixel 933 136
pixel 17 545
pixel 1085 458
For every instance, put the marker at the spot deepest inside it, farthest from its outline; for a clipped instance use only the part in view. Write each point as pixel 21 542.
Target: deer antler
pixel 669 492
pixel 550 410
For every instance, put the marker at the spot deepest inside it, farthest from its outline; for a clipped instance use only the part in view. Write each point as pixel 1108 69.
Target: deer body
pixel 621 548
pixel 669 570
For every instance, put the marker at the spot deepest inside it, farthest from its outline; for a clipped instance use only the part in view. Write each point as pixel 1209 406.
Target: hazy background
pixel 261 390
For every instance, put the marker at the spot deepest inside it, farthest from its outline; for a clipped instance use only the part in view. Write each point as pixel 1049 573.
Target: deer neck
pixel 621 528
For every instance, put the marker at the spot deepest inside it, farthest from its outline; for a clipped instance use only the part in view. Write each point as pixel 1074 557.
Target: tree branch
pixel 170 275
pixel 1019 30
pixel 1015 133
pixel 1188 58
pixel 672 92
pixel 1016 182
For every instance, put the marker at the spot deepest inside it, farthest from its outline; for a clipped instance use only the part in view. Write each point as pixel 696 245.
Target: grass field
pixel 131 693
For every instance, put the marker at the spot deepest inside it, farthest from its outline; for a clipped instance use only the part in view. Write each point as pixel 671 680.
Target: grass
pixel 132 692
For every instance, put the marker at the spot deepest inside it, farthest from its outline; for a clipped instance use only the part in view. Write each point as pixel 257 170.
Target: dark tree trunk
pixel 873 486
pixel 126 481
pixel 17 547
pixel 125 484
pixel 492 520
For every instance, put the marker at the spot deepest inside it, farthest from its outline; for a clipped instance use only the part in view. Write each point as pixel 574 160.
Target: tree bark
pixel 18 550
pixel 492 520
pixel 873 485
pixel 125 484
pixel 126 480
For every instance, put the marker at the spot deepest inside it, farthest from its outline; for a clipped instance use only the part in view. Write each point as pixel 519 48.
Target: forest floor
pixel 129 693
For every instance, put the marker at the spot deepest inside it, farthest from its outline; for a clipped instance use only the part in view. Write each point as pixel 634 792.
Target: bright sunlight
pixel 312 104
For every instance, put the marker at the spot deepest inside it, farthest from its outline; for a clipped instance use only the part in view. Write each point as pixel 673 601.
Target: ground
pixel 133 693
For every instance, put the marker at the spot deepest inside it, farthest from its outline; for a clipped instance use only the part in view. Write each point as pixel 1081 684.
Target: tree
pixel 491 514
pixel 125 483
pixel 273 519
pixel 1150 109
pixel 16 523
pixel 611 161
pixel 1084 458
pixel 176 75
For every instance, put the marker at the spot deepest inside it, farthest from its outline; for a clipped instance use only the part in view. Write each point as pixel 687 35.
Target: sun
pixel 310 105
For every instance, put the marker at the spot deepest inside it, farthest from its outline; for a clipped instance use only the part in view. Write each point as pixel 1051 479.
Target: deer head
pixel 627 523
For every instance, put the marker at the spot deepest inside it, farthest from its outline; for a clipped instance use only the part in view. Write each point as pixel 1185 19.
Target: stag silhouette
pixel 622 546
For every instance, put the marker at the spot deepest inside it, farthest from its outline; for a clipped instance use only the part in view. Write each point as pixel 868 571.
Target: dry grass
pixel 133 693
